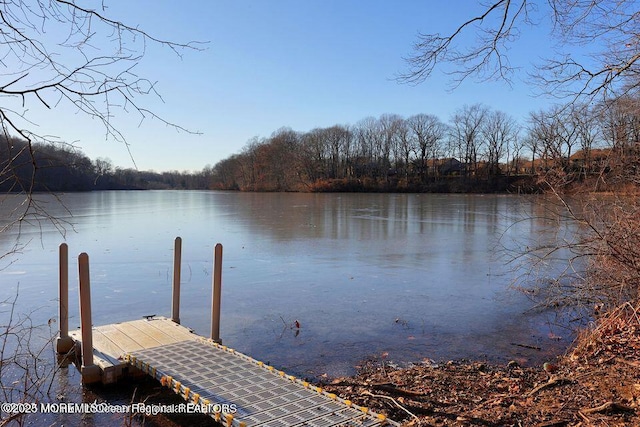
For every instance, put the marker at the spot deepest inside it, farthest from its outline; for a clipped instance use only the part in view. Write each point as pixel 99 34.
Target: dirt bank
pixel 596 384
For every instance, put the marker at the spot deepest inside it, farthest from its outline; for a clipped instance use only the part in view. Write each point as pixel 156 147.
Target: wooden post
pixel 216 294
pixel 64 343
pixel 90 372
pixel 175 301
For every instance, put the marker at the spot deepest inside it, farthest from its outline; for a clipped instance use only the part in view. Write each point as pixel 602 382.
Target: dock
pixel 233 388
pixel 111 343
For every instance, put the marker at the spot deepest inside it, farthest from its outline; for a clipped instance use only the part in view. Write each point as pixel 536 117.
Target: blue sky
pixel 269 64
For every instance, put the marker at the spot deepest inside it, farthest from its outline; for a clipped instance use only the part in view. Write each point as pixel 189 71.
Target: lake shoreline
pixel 595 382
pixel 419 234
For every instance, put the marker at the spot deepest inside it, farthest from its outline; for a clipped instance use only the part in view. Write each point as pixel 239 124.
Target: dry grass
pixel 605 332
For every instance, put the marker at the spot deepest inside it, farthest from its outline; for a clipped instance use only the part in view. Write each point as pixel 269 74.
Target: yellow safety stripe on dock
pixel 292 378
pixel 243 392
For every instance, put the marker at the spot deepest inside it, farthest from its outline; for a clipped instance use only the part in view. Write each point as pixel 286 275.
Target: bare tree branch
pixel 496 27
pixel 597 47
pixel 57 53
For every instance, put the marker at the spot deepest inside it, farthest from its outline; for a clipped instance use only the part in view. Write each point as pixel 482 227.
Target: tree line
pixel 478 148
pixel 28 167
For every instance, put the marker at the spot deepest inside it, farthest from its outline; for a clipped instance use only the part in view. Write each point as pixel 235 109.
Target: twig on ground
pixel 391 388
pixel 608 406
pixel 415 417
pixel 526 346
pixel 552 381
pixel 628 362
pixel 585 418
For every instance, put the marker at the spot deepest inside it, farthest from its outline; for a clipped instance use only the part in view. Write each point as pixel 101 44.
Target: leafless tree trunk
pixel 466 125
pixel 499 132
pixel 586 124
pixel 544 129
pixel 337 138
pixel 389 126
pixel 515 155
pixel 406 146
pixel 428 131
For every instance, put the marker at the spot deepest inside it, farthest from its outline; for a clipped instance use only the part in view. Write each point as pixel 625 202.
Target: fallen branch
pixel 552 381
pixel 554 423
pixel 391 388
pixel 585 418
pixel 628 362
pixel 526 346
pixel 394 401
pixel 11 418
pixel 498 398
pixel 609 406
pixel 346 383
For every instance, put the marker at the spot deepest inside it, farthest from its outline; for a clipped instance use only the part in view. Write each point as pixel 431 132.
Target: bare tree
pixel 314 154
pixel 588 257
pixel 389 128
pixel 368 140
pixel 428 131
pixel 338 138
pixel 57 54
pixel 499 132
pixel 620 127
pixel 406 147
pixel 559 130
pixel 466 133
pixel 515 156
pixel 597 50
pixel 568 133
pixel 586 124
pixel 278 158
pixel 543 129
pixel 621 122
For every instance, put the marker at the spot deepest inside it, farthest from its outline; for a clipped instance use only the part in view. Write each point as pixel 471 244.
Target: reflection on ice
pixel 411 276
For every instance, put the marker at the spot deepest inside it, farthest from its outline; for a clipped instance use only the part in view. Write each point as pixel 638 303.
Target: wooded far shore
pixel 65 169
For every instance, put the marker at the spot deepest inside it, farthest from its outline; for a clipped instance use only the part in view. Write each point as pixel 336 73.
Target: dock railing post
pixel 216 294
pixel 175 300
pixel 90 372
pixel 64 343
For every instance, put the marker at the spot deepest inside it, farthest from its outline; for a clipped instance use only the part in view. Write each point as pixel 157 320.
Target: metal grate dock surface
pixel 205 372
